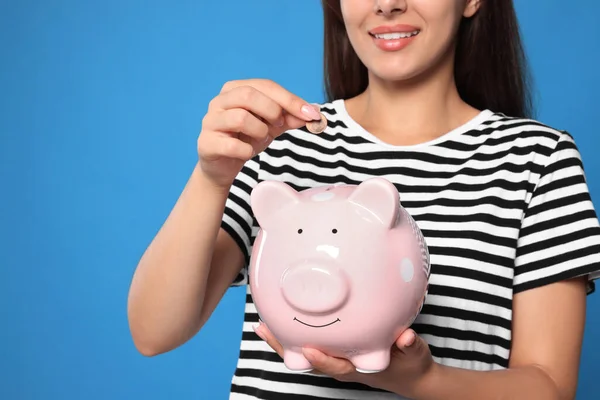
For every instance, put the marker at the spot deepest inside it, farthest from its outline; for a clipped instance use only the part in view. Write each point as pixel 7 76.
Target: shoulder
pixel 524 130
pixel 530 140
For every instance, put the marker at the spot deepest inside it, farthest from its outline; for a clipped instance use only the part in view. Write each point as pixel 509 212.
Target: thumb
pixel 293 122
pixel 408 339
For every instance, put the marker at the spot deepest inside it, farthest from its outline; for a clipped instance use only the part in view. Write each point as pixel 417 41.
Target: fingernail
pixel 411 340
pixel 310 112
pixel 279 122
pixel 258 332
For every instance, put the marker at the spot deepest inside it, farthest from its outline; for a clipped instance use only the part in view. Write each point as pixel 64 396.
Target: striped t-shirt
pixel 502 202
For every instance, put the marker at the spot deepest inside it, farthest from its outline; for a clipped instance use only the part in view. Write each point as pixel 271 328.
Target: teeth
pixel 396 35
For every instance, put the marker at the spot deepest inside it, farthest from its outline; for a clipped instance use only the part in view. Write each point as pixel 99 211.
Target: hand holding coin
pixel 317 126
pixel 242 121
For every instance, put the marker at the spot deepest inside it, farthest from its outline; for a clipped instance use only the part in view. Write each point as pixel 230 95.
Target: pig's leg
pixel 371 362
pixel 294 360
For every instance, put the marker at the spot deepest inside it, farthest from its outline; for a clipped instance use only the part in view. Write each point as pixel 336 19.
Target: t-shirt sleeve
pixel 238 219
pixel 560 233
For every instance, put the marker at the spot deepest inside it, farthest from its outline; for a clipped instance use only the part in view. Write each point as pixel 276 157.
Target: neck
pixel 412 111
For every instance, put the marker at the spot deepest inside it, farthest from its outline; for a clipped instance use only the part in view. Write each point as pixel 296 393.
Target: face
pixel 401 39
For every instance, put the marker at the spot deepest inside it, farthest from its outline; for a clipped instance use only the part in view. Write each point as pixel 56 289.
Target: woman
pixel 432 95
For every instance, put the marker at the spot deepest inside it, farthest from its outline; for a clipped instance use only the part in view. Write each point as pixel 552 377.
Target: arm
pixel 548 329
pixel 192 261
pixel 184 272
pixel 559 239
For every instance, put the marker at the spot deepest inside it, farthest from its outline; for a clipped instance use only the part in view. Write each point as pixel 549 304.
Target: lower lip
pixel 393 44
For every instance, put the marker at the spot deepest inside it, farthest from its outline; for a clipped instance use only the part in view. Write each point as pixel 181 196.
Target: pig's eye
pixel 299 230
pixel 334 231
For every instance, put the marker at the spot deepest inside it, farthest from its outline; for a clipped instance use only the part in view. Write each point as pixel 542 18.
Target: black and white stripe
pixel 503 205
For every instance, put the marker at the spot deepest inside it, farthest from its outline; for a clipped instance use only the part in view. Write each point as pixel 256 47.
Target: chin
pixel 396 74
pixel 406 69
pixel 408 65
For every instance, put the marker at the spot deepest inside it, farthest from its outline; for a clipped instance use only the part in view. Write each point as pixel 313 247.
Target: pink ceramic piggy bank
pixel 343 269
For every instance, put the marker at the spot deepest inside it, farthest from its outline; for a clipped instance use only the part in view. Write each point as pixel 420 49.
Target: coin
pixel 317 126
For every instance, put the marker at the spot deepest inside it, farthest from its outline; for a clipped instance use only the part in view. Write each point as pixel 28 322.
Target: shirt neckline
pixel 340 108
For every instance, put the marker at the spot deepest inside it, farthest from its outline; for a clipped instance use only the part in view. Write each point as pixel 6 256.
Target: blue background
pixel 100 108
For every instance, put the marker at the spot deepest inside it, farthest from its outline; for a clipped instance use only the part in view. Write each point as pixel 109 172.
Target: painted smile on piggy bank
pixel 329 254
pixel 317 326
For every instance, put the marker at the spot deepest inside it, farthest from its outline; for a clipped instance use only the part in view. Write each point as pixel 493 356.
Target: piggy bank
pixel 343 269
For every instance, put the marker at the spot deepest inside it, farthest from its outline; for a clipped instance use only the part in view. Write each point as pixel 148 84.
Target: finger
pixel 253 100
pixel 230 147
pixel 265 334
pixel 331 366
pixel 404 342
pixel 409 343
pixel 406 339
pixel 238 120
pixel 292 122
pixel 291 103
pixel 215 145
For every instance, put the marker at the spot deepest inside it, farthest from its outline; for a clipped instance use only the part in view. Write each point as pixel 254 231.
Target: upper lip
pixel 393 29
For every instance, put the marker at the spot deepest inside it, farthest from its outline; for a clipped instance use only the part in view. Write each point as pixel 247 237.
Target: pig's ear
pixel 269 197
pixel 378 199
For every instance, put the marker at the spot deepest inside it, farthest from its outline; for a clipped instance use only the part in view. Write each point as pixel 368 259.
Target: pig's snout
pixel 315 288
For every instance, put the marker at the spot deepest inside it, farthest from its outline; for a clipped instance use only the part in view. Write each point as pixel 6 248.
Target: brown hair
pixel 491 70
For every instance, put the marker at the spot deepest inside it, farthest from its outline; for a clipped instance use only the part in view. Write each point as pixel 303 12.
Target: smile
pixel 395 35
pixel 390 40
pixel 317 326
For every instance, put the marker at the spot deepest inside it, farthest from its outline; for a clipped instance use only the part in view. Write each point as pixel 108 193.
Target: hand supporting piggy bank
pixel 342 269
